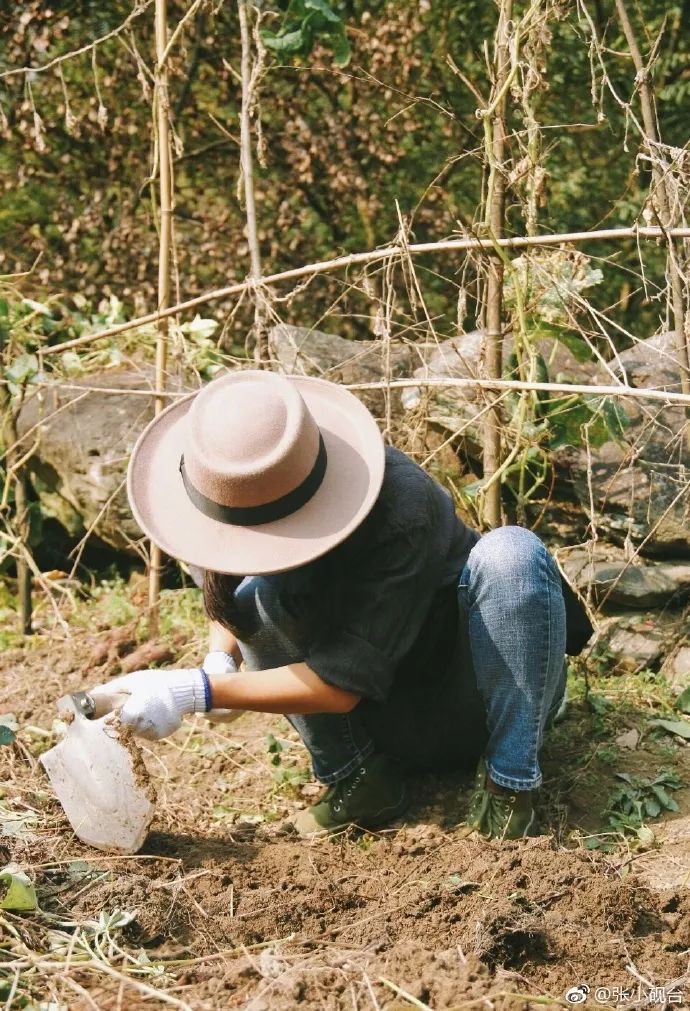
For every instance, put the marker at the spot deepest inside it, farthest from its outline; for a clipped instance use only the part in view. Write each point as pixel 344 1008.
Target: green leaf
pixel 683 701
pixel 274 746
pixel 600 706
pixel 679 727
pixel 578 348
pixel 652 808
pixel 472 490
pixel 645 835
pixel 616 417
pixel 284 45
pixel 613 416
pixel 7 735
pixel 341 49
pixel 71 362
pixel 16 890
pixel 567 417
pixel 597 431
pixel 322 7
pixel 662 796
pixel 540 329
pixel 22 369
pixel 199 328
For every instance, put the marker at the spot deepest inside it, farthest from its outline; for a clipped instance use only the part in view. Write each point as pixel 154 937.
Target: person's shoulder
pixel 401 472
pixel 409 496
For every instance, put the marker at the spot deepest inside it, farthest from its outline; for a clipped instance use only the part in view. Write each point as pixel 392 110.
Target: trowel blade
pixel 102 785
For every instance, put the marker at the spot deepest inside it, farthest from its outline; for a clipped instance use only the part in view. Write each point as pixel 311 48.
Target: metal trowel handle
pixel 92 705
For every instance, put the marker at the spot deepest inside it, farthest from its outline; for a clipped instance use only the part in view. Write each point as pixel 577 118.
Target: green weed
pixel 290 776
pixel 634 803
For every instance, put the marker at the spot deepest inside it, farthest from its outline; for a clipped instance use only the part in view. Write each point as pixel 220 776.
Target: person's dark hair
pixel 220 604
pixel 318 604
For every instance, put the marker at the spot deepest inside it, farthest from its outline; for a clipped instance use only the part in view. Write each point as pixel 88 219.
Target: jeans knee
pixel 507 552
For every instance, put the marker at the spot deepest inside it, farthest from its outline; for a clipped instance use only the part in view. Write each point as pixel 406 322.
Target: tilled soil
pixel 254 918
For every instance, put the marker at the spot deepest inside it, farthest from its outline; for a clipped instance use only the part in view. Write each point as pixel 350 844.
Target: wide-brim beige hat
pixel 256 472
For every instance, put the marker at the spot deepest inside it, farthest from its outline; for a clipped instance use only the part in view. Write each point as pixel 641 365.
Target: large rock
pixel 639 485
pixel 300 351
pixel 84 443
pixel 457 408
pixel 617 581
pixel 632 642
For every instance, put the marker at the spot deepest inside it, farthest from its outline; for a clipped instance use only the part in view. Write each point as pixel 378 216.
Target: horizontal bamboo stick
pixel 664 396
pixel 373 256
pixel 667 396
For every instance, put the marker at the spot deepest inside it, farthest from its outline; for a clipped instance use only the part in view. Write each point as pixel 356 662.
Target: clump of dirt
pixel 141 774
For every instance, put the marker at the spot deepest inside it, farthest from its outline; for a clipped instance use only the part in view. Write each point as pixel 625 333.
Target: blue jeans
pixel 504 682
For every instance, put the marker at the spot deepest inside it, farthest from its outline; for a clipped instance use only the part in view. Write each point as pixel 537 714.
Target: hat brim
pixel 352 482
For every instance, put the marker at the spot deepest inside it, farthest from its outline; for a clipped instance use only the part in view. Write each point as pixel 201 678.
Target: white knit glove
pixel 219 662
pixel 158 699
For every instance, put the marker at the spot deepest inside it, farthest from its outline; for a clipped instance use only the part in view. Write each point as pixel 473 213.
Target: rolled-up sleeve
pixel 386 597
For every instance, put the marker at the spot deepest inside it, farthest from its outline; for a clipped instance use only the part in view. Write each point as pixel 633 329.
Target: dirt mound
pixel 239 913
pixel 444 919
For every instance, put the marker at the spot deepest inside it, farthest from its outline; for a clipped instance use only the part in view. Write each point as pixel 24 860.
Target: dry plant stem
pixel 495 146
pixel 404 994
pixel 371 256
pixel 16 468
pixel 660 195
pixel 261 346
pixel 137 12
pixel 162 104
pixel 108 970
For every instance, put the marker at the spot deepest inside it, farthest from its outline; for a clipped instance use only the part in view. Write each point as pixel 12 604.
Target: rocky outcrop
pixel 633 642
pixel 457 408
pixel 300 351
pixel 83 442
pixel 628 583
pixel 639 481
pixel 640 484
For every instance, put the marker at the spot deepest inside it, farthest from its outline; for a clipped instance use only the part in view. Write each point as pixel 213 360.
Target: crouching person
pixel 336 572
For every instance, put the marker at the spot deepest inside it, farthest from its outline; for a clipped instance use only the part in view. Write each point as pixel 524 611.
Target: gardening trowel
pixel 98 774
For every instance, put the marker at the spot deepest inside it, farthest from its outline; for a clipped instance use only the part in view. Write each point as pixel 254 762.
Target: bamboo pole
pixel 162 104
pixel 368 257
pixel 661 196
pixel 22 523
pixel 495 147
pixel 667 397
pixel 21 507
pixel 15 468
pixel 247 163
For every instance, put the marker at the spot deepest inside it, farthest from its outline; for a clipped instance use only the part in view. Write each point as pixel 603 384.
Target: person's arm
pixel 155 702
pixel 294 690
